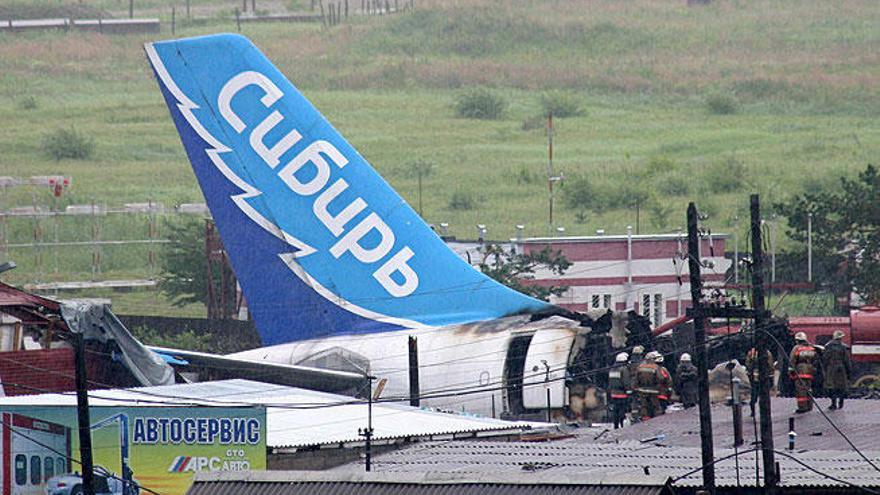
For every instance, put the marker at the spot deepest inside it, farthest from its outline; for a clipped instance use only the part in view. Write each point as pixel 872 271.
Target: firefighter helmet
pixel 638 350
pixel 652 356
pixel 622 357
pixel 685 358
pixel 800 337
pixel 658 358
pixel 838 334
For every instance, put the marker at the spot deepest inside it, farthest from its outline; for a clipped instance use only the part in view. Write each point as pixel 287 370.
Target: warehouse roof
pixel 857 420
pixel 295 417
pixel 629 462
pixel 336 483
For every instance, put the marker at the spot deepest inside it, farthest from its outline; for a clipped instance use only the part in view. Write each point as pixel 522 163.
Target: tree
pixel 846 233
pixel 183 263
pixel 515 269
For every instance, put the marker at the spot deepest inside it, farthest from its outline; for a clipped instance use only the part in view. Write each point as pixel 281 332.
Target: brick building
pixel 647 273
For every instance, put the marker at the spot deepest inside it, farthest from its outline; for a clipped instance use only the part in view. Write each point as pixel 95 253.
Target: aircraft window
pixel 21 469
pixel 48 468
pixel 36 470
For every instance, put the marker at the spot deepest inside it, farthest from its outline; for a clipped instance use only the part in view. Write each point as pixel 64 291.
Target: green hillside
pixel 702 103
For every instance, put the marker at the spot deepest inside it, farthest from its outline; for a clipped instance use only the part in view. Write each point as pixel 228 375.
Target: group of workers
pixel 641 385
pixel 806 358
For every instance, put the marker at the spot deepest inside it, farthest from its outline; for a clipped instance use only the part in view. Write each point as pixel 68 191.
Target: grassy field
pixel 802 79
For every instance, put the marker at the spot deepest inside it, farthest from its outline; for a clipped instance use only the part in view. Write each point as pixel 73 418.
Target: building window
pixel 60 465
pixel 653 308
pixel 600 301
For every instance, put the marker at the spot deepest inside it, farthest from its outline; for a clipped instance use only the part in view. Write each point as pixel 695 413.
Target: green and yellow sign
pixel 159 448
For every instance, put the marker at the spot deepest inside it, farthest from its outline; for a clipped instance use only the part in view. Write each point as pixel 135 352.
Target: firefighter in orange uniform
pixel 803 360
pixel 664 382
pixel 648 386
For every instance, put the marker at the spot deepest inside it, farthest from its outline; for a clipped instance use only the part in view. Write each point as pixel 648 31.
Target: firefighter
pixel 803 360
pixel 686 381
pixel 753 368
pixel 835 364
pixel 619 389
pixel 664 383
pixel 647 386
pixel 635 359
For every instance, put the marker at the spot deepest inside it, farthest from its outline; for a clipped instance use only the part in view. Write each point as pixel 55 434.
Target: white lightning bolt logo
pixel 216 148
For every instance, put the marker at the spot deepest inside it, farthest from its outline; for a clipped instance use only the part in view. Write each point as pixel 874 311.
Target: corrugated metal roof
pixel 626 461
pixel 858 420
pixel 324 483
pixel 295 417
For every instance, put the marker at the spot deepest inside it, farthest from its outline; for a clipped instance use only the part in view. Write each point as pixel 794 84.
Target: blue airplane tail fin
pixel 320 243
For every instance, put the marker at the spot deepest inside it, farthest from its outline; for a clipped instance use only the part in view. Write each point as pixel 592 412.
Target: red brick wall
pixel 32 372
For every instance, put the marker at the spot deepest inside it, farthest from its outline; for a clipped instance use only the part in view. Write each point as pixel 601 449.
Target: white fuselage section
pixel 461 367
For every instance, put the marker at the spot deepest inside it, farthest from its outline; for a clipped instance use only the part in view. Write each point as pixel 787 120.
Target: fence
pixel 88 241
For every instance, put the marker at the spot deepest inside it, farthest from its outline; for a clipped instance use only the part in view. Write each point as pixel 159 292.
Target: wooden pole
pixel 238 20
pixel 767 453
pixel 706 443
pixel 173 20
pixel 82 410
pixel 131 9
pixel 414 389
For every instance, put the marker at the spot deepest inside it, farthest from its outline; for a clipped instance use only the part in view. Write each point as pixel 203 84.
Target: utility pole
pixel 809 247
pixel 414 371
pixel 550 168
pixel 82 409
pixel 707 447
pixel 367 432
pixel 770 475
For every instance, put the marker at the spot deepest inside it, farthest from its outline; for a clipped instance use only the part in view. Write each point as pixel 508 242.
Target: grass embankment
pixel 705 103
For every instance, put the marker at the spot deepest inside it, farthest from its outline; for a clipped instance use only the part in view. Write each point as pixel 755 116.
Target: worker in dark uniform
pixel 686 381
pixel 753 369
pixel 803 360
pixel 619 389
pixel 835 364
pixel 647 387
pixel 664 383
pixel 635 359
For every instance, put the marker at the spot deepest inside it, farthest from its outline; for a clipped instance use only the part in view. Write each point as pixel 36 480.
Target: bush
pixel 675 184
pixel 462 200
pixel 660 165
pixel 480 103
pixel 581 195
pixel 526 176
pixel 726 176
pixel 68 143
pixel 27 103
pixel 561 104
pixel 534 122
pixel 721 104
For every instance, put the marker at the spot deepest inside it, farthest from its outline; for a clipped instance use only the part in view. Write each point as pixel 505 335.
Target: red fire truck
pixel 862 335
